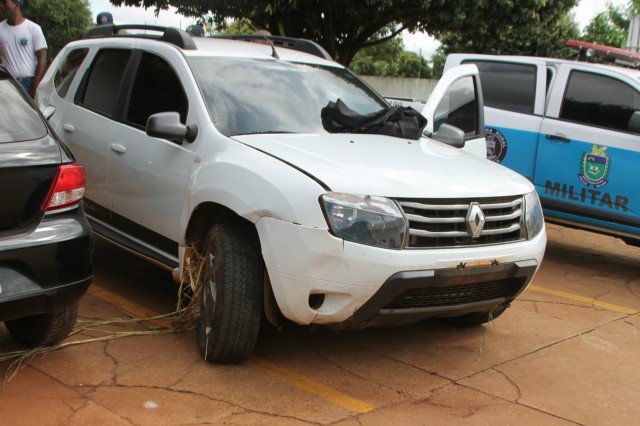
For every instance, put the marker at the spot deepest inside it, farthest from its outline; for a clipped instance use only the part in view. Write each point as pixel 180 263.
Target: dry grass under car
pixel 182 319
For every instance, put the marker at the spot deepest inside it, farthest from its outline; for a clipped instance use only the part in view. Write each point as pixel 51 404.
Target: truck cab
pixel 573 129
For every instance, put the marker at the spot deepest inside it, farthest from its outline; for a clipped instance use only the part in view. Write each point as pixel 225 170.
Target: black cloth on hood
pixel 398 121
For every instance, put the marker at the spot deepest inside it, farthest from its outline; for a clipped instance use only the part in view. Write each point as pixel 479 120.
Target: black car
pixel 45 239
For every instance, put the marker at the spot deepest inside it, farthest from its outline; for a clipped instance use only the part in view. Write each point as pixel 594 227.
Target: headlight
pixel 364 219
pixel 533 215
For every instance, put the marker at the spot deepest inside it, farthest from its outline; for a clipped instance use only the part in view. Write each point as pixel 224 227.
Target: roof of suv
pixel 291 49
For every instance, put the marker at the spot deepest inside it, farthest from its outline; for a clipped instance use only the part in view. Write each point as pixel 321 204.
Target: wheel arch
pixel 206 215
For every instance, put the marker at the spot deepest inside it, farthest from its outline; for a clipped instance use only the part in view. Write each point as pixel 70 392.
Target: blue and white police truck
pixel 573 129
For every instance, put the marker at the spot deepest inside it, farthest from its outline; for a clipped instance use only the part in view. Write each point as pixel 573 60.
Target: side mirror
pixel 450 135
pixel 634 122
pixel 167 125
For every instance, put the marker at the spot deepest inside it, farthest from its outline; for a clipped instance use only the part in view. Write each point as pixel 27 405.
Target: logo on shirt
pixel 23 41
pixel 594 167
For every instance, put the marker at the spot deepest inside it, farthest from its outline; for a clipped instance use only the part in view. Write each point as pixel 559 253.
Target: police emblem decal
pixel 594 167
pixel 496 144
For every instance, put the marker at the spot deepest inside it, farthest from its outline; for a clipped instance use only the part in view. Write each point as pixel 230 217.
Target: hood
pixel 389 166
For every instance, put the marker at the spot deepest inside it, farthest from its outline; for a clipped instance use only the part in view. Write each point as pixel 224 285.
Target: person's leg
pixel 27 83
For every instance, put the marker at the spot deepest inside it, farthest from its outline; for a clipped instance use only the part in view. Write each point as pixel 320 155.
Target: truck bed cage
pixel 591 51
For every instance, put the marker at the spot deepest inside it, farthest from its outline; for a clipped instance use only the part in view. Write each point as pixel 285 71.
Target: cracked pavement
pixel 550 359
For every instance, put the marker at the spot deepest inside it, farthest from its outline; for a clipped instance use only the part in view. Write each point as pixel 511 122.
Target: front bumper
pixel 317 278
pixel 415 295
pixel 47 269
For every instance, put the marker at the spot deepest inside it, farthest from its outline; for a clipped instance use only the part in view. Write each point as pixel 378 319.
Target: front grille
pixel 431 297
pixel 444 223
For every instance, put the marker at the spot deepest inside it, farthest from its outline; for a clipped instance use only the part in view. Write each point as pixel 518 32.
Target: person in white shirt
pixel 22 46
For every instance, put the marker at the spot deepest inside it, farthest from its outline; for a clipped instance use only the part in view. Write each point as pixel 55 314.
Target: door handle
pixel 560 138
pixel 69 128
pixel 118 148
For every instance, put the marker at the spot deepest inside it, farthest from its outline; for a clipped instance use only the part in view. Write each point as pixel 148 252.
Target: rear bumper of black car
pixel 48 268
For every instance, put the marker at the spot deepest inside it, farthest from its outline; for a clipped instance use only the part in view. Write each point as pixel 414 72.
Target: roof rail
pixel 299 44
pixel 172 35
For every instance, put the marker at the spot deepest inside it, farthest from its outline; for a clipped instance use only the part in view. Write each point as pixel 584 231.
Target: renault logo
pixel 475 220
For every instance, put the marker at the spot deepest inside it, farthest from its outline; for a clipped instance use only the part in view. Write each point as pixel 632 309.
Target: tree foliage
pixel 390 59
pixel 540 31
pixel 62 21
pixel 343 27
pixel 609 28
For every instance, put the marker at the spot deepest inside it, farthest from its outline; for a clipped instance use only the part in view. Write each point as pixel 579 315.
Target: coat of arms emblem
pixel 594 167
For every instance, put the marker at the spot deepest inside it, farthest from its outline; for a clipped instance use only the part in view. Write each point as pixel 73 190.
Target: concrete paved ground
pixel 565 353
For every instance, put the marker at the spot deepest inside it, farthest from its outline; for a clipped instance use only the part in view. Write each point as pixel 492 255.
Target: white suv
pixel 219 144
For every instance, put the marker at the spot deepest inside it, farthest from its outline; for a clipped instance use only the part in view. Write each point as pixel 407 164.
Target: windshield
pixel 247 96
pixel 19 121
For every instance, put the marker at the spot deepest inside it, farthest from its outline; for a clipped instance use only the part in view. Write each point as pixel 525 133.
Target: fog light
pixel 316 301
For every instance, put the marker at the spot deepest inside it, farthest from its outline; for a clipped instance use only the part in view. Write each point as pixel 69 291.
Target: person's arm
pixel 41 67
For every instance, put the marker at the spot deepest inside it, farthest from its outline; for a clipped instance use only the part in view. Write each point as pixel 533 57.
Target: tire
pixel 475 319
pixel 44 329
pixel 232 292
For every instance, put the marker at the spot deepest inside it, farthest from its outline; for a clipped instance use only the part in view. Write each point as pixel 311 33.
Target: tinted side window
pixel 459 107
pixel 104 80
pixel 67 70
pixel 507 86
pixel 156 88
pixel 599 101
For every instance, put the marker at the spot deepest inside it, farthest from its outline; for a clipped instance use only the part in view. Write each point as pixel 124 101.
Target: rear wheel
pixel 232 291
pixel 476 318
pixel 44 329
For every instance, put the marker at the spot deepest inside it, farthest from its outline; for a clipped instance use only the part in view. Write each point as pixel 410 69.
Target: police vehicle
pixel 573 129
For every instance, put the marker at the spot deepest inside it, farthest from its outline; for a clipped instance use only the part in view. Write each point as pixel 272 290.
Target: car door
pixel 148 176
pixel 457 100
pixel 85 122
pixel 589 148
pixel 514 91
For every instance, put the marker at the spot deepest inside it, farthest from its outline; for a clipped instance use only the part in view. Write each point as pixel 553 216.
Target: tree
pixel 609 28
pixel 541 32
pixel 343 27
pixel 62 21
pixel 390 59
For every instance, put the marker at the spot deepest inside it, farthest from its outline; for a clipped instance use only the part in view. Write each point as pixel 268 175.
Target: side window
pixel 103 83
pixel 507 86
pixel 67 70
pixel 598 100
pixel 156 88
pixel 459 107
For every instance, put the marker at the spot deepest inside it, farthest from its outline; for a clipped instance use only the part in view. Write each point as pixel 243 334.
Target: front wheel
pixel 232 291
pixel 475 319
pixel 44 329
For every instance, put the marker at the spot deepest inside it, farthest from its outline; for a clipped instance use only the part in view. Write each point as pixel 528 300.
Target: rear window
pixel 601 101
pixel 19 120
pixel 507 86
pixel 105 77
pixel 67 70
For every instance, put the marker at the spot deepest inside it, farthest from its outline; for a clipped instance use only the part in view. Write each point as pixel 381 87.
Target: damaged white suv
pixel 220 144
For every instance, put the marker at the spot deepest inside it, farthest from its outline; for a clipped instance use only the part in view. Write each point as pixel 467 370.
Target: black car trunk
pixel 27 173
